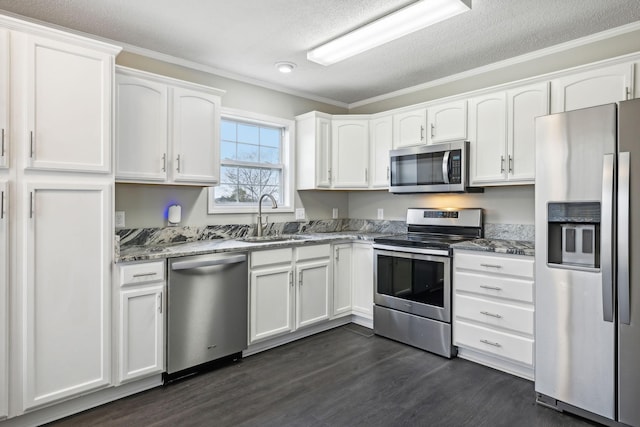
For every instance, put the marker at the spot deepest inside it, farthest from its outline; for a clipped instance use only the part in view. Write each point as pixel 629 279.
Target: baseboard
pixel 503 365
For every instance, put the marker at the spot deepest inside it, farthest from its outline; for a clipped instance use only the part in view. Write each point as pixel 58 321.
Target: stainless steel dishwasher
pixel 206 311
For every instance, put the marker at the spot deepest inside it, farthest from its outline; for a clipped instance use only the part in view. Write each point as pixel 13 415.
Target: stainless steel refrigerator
pixel 587 218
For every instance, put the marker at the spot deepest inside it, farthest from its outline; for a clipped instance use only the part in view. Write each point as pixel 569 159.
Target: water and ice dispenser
pixel 574 234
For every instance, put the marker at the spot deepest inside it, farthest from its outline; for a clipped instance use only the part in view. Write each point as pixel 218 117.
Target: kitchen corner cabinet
pixel 288 289
pixel 590 88
pixel 447 122
pixel 409 128
pixel 4 97
pixel 139 318
pixel 362 280
pixel 313 151
pixel 4 297
pixel 342 279
pixel 501 134
pixel 494 310
pixel 167 131
pixel 380 143
pixel 350 153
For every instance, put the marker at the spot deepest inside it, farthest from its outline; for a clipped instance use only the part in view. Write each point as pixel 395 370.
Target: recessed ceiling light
pixel 285 67
pixel 404 21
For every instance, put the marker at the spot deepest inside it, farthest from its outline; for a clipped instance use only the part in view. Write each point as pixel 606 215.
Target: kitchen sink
pixel 267 239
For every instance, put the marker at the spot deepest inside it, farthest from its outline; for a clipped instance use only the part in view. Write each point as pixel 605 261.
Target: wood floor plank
pixel 342 377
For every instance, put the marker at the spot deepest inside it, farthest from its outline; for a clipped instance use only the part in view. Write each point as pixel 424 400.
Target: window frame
pixel 287 159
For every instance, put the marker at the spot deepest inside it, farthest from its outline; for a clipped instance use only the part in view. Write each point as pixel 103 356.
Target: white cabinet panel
pixel 4 97
pixel 270 302
pixel 4 293
pixel 66 344
pixel 196 124
pixel 380 143
pixel 313 151
pixel 350 153
pixel 447 122
pixel 362 279
pixel 342 279
pixel 494 313
pixel 488 138
pixel 78 136
pixel 513 347
pixel 312 305
pixel 495 287
pixel 409 128
pixel 141 129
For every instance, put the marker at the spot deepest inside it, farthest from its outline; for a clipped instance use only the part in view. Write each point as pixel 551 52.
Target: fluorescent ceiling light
pixel 407 20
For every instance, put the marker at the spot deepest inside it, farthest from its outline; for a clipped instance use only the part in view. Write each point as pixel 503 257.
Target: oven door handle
pixel 404 252
pixel 445 167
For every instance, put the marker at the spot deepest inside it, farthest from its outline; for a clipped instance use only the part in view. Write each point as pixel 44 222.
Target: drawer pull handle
pixel 493 288
pixel 486 313
pixel 144 274
pixel 491 265
pixel 495 344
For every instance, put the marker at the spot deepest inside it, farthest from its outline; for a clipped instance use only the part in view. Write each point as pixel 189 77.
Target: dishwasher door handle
pixel 208 262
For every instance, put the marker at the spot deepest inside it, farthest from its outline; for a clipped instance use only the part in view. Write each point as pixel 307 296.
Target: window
pixel 254 160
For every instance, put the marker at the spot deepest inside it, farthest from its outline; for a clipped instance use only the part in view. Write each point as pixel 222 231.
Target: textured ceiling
pixel 246 37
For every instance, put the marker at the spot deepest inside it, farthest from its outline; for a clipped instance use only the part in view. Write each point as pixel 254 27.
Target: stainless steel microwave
pixel 437 168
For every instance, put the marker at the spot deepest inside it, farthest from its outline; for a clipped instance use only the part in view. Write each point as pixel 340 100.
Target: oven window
pixel 412 279
pixel 417 169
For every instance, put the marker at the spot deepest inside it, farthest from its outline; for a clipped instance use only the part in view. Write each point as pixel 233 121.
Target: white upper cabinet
pixel 590 88
pixel 350 153
pixel 196 129
pixel 488 138
pixel 409 128
pixel 313 151
pixel 380 142
pixel 141 129
pixel 167 131
pixel 501 131
pixel 76 138
pixel 447 122
pixel 4 97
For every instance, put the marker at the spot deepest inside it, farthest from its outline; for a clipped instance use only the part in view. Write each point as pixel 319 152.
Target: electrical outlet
pixel 300 213
pixel 334 215
pixel 380 213
pixel 119 219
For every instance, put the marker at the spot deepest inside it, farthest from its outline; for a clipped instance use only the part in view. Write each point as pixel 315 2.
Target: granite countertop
pixel 514 247
pixel 151 252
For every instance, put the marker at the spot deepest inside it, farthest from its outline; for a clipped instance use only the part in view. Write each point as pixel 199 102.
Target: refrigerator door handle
pixel 606 250
pixel 624 194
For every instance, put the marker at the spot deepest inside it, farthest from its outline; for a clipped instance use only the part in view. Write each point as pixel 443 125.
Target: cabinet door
pixel 342 279
pixel 409 128
pixel 447 122
pixel 362 279
pixel 4 96
pixel 323 152
pixel 591 88
pixel 67 260
pixel 4 287
pixel 196 136
pixel 350 150
pixel 524 105
pixel 68 100
pixel 381 140
pixel 141 129
pixel 271 302
pixel 312 302
pixel 488 138
pixel 141 334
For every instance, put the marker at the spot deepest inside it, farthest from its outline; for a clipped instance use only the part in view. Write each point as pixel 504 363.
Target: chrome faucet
pixel 274 205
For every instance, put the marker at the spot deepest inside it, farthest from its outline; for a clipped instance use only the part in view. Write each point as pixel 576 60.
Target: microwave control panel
pixel 455 167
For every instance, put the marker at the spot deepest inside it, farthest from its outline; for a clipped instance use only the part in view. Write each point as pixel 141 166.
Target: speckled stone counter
pixel 514 247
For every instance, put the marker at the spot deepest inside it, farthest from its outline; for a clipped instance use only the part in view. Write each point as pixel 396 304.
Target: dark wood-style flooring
pixel 343 377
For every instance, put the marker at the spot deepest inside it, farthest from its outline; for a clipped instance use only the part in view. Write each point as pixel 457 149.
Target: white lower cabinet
pixel 4 287
pixel 342 279
pixel 288 289
pixel 139 318
pixel 494 310
pixel 362 282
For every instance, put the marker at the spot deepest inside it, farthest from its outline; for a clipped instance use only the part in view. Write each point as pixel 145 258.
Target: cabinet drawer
pixel 519 319
pixel 490 341
pixel 311 252
pixel 271 256
pixel 500 287
pixel 142 273
pixel 498 264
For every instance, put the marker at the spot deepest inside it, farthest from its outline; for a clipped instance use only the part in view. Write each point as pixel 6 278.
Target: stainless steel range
pixel 412 275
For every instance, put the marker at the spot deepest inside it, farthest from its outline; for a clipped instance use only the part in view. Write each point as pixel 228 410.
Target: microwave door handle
pixel 445 166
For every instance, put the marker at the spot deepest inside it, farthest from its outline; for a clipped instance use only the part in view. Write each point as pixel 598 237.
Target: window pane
pixel 248 153
pixel 269 155
pixel 274 191
pixel 228 150
pixel 228 175
pixel 228 130
pixel 270 177
pixel 270 137
pixel 248 194
pixel 226 194
pixel 248 133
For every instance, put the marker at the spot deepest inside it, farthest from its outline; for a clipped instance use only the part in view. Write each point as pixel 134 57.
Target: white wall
pixel 502 205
